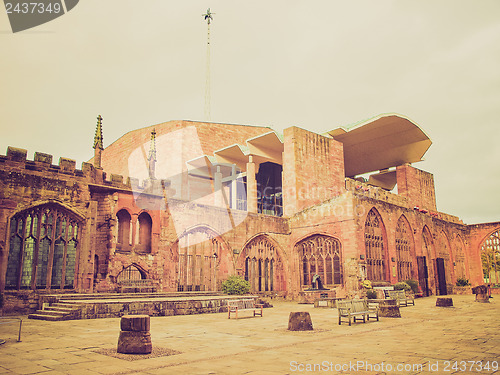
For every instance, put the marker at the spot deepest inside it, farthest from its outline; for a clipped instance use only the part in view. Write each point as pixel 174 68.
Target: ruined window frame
pixel 43 248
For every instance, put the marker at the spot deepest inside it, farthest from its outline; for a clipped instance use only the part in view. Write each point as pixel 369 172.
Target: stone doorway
pixel 441 277
pixel 423 275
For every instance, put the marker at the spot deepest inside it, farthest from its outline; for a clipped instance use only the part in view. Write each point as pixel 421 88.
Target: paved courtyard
pixel 463 339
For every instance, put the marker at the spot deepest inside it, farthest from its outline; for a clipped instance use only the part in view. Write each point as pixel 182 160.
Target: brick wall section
pixel 210 136
pixel 417 186
pixel 313 169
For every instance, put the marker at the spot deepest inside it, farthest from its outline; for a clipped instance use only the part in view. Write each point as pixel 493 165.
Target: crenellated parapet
pixel 16 159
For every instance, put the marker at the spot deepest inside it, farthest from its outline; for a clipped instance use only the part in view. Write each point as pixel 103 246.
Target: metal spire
pixel 208 17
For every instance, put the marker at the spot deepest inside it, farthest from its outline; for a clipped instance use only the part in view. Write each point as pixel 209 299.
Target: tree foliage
pixel 235 285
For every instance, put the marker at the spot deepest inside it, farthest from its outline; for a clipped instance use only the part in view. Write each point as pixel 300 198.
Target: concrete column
pixel 219 198
pixel 234 187
pixel 251 186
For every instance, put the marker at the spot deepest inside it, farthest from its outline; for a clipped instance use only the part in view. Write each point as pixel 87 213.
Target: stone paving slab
pixel 426 340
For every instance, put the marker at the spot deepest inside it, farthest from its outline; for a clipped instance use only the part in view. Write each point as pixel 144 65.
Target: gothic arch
pixel 443 251
pixel 405 250
pixel 490 256
pixel 43 247
pixel 322 255
pixel 427 243
pixel 262 263
pixel 203 259
pixel 132 272
pixel 124 234
pixel 375 247
pixel 145 232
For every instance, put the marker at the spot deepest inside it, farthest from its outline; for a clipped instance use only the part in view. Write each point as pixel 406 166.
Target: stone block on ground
pixel 444 302
pixel 134 342
pixel 389 311
pixel 135 323
pixel 300 321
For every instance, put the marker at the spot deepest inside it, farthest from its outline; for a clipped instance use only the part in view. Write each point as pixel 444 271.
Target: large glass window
pixel 43 247
pixel 269 189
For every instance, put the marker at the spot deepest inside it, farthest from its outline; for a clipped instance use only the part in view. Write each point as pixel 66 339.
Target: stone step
pixel 60 309
pixel 52 318
pixel 49 311
pixel 68 306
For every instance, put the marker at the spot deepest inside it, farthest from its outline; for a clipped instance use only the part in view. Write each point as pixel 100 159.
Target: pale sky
pixel 314 64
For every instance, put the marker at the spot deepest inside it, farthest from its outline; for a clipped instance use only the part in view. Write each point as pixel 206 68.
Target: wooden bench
pixel 400 296
pixel 237 305
pixel 356 309
pixel 136 286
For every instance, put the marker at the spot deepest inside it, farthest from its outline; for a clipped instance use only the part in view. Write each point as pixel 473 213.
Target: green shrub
pixel 413 285
pixel 462 281
pixel 402 286
pixel 235 285
pixel 371 294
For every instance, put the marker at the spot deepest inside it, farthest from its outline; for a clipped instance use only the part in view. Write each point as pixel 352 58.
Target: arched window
pixel 123 239
pixel 490 257
pixel 320 255
pixel 200 252
pixel 404 250
pixel 145 230
pixel 131 272
pixel 375 247
pixel 263 266
pixel 43 247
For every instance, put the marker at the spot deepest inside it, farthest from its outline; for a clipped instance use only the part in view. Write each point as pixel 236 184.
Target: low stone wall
pixel 116 309
pixel 20 302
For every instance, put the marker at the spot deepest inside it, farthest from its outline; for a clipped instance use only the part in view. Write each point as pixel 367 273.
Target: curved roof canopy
pixel 382 142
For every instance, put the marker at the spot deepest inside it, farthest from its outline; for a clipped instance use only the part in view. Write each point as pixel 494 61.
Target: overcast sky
pixel 314 64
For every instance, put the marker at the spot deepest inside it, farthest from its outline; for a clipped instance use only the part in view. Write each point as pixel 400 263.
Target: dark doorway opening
pixel 423 275
pixel 441 277
pixel 269 189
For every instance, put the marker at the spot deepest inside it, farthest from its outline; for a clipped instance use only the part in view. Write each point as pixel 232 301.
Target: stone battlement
pixel 16 158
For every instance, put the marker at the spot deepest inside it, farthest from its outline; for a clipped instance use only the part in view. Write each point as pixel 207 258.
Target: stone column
pixel 251 186
pixel 134 335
